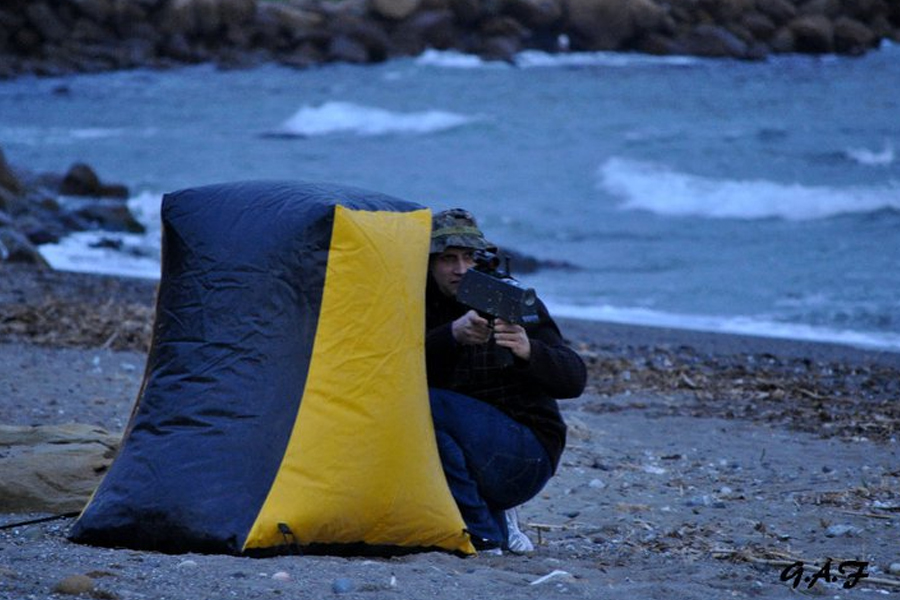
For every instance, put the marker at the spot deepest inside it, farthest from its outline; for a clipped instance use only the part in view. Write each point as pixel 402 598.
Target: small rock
pixel 894 568
pixel 187 564
pixel 282 576
pixel 841 530
pixel 704 500
pixel 74 585
pixel 342 585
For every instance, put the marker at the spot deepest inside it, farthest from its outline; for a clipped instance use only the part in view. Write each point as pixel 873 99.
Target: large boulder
pixel 727 11
pixel 52 468
pixel 714 41
pixel 394 10
pixel 237 12
pixel 204 18
pixel 610 24
pixel 427 28
pixel 598 24
pixel 780 11
pixel 16 247
pixel 851 36
pixel 535 14
pixel 46 22
pixel 282 26
pixel 8 178
pixel 759 25
pixel 82 180
pixel 813 33
pixel 96 10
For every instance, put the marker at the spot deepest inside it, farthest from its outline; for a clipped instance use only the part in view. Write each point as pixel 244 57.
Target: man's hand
pixel 514 337
pixel 471 329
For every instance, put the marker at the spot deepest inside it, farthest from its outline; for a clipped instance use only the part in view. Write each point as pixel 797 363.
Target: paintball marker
pixel 494 293
pixel 489 288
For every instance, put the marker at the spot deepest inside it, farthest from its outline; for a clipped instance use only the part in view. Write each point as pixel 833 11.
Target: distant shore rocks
pixel 50 37
pixel 43 208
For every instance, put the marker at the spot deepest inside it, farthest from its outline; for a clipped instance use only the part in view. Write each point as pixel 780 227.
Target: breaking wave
pixel 661 190
pixel 346 117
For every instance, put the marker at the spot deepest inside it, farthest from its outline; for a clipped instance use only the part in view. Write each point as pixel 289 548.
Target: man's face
pixel 449 266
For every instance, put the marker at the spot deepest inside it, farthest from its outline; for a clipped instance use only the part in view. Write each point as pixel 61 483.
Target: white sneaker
pixel 517 541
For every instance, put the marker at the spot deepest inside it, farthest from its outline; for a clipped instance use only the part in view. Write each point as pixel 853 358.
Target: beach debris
pixel 831 399
pixel 74 585
pixel 556 574
pixel 52 468
pixel 65 323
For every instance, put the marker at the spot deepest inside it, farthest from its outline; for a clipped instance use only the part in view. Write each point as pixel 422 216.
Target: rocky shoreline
pixel 79 36
pixel 42 208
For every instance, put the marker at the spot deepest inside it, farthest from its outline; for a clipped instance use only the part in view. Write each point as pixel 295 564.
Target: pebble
pixel 704 500
pixel 342 585
pixel 74 585
pixel 841 530
pixel 282 576
pixel 187 564
pixel 894 569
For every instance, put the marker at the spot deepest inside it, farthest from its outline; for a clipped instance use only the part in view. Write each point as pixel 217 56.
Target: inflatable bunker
pixel 284 406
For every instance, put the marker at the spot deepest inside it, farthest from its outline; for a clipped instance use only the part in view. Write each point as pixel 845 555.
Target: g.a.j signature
pixel 851 570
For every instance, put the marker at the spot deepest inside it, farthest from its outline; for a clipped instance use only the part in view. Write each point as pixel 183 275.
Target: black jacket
pixel 526 391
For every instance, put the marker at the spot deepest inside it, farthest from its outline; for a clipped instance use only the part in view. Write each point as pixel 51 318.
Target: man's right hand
pixel 471 329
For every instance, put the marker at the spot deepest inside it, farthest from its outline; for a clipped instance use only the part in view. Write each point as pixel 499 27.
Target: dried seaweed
pixel 62 323
pixel 827 398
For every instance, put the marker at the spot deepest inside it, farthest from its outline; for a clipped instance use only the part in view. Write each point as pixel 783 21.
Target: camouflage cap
pixel 456 228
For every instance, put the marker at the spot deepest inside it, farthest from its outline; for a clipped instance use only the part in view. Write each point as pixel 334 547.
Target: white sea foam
pixel 452 59
pixel 536 58
pixel 42 136
pixel 91 252
pixel 661 190
pixel 113 253
pixel 759 327
pixel 872 158
pixel 346 117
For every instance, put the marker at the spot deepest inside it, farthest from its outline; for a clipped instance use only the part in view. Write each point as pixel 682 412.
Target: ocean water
pixel 751 197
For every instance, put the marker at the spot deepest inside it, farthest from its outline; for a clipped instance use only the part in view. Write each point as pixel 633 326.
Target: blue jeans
pixel 491 462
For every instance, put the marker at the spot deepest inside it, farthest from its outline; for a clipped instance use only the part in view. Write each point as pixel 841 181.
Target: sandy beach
pixel 698 466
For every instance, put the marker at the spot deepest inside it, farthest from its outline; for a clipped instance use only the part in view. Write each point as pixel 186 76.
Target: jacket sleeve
pixel 553 365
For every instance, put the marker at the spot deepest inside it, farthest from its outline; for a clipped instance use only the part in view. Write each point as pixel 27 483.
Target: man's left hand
pixel 512 336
